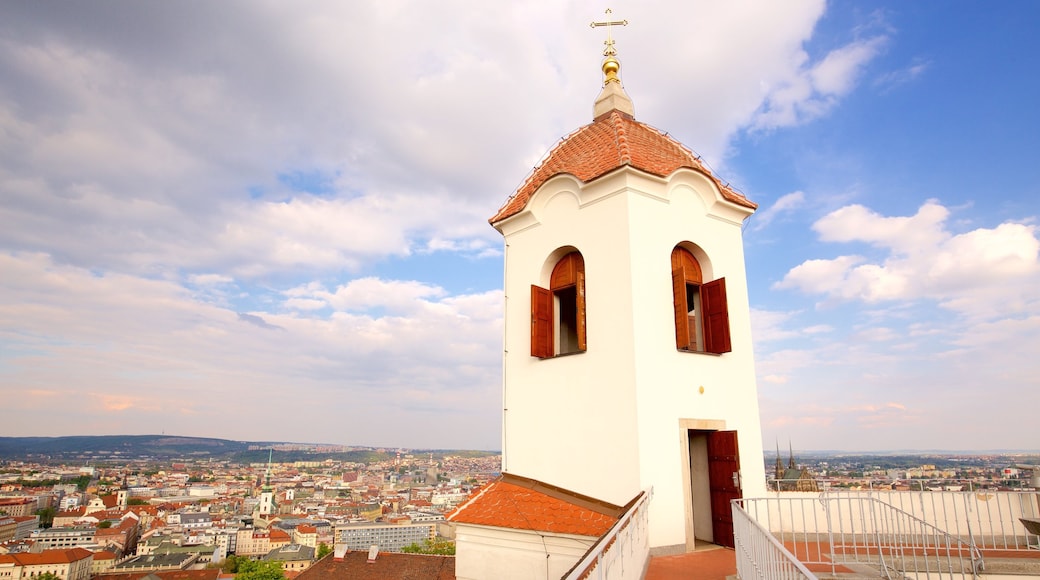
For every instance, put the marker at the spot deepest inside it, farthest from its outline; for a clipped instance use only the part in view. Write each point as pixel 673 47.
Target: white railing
pixel 830 531
pixel 759 555
pixel 990 519
pixel 623 552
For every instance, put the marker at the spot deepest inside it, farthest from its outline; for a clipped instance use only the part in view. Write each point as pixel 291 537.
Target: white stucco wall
pixel 485 552
pixel 609 422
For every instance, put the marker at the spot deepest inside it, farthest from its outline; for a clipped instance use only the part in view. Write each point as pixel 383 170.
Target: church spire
pixel 613 96
pixel 779 470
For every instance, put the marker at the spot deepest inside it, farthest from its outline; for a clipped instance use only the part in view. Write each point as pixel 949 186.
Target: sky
pixel 268 221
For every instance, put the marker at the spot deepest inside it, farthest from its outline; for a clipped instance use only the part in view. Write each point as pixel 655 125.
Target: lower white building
pixel 389 537
pixel 523 529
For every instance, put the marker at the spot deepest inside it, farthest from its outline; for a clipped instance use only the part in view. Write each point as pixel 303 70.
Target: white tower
pixel 122 493
pixel 267 503
pixel 628 361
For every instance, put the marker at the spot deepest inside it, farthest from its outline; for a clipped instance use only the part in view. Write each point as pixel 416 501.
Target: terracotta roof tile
pixel 387 566
pixel 211 574
pixel 613 140
pixel 47 557
pixel 526 504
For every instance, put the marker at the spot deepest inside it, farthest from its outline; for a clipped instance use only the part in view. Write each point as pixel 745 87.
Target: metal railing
pixel 623 552
pixel 990 519
pixel 833 531
pixel 759 554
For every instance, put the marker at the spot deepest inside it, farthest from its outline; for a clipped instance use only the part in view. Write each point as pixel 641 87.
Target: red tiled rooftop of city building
pixel 211 574
pixel 612 140
pixel 525 504
pixel 46 557
pixel 387 566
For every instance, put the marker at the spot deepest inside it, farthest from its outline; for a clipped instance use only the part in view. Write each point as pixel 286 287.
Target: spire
pixel 613 96
pixel 267 476
pixel 779 462
pixel 791 462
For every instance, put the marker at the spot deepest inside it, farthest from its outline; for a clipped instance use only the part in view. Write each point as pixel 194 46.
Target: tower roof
pixel 614 139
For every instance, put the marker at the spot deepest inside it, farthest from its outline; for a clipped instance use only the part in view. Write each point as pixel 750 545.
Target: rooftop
pixel 386 566
pixel 521 503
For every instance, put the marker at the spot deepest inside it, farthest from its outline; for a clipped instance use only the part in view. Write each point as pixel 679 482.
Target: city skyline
pixel 239 220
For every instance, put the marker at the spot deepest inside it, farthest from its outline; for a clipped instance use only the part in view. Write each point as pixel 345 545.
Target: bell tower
pixel 627 359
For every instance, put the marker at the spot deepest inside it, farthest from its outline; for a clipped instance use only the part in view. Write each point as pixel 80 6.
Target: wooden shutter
pixel 683 260
pixel 541 322
pixel 682 321
pixel 716 317
pixel 580 306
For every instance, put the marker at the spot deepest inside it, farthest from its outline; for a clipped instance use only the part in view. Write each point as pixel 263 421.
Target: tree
pixel 252 570
pixel 82 482
pixel 231 563
pixel 46 516
pixel 439 547
pixel 104 525
pixel 323 550
pixel 136 501
pixel 47 576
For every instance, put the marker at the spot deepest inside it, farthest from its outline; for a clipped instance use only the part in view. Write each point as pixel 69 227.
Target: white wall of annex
pixel 486 552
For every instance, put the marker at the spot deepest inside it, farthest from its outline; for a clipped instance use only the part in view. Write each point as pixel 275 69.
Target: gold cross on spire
pixel 609 42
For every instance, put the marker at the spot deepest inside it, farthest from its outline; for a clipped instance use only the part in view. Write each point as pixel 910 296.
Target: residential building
pixel 103 561
pixel 68 564
pixel 305 535
pixel 294 557
pixel 64 538
pixel 18 506
pixel 8 525
pixel 156 562
pixel 389 538
pixel 25 526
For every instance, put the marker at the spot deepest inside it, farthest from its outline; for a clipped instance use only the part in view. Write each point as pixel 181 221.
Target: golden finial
pixel 611 66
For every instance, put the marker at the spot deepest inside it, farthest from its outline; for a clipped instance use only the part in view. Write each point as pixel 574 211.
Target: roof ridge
pixel 624 153
pixel 469 501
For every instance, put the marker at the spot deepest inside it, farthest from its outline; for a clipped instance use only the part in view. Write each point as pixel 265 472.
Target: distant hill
pixel 117 446
pixel 121 448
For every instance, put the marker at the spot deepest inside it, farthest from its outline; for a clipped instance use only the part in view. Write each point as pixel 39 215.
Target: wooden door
pixel 724 483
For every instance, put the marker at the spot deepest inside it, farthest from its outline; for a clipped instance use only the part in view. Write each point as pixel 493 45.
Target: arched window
pixel 558 313
pixel 701 311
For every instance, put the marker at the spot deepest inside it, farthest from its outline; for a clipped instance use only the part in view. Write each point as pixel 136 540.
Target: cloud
pixel 892 80
pixel 257 321
pixel 148 346
pixel 983 272
pixel 787 203
pixel 814 88
pixel 175 178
